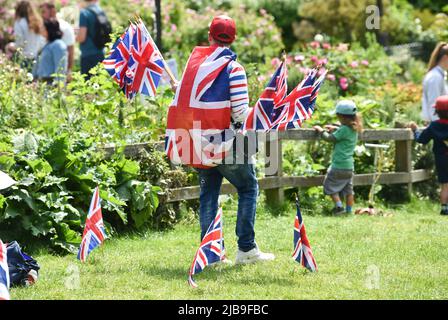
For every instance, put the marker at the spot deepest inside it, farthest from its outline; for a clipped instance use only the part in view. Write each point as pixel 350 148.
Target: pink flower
pixel 326 46
pixel 173 27
pixel 314 59
pixel 323 61
pixel 261 78
pixel 275 62
pixel 64 2
pixel 365 62
pixel 246 43
pixel 259 32
pixel 331 77
pixel 263 12
pixel 343 83
pixel 315 44
pixel 299 58
pixel 354 64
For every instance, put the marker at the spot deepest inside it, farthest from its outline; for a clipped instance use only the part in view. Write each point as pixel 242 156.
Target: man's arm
pixel 82 34
pixel 239 98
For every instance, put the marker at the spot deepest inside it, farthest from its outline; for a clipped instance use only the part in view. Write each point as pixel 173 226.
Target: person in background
pixel 53 57
pixel 92 49
pixel 438 132
pixel 28 31
pixel 434 84
pixel 48 11
pixel 338 182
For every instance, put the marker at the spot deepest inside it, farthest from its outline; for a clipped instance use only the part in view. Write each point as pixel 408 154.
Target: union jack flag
pixel 277 111
pixel 211 249
pixel 302 249
pixel 199 117
pixel 4 273
pixel 135 62
pixel 262 115
pixel 94 233
pixel 116 63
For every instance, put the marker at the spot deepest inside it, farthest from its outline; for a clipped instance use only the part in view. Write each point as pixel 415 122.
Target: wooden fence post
pixel 403 160
pixel 273 147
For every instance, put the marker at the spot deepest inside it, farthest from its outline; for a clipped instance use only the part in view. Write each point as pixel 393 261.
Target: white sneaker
pixel 252 256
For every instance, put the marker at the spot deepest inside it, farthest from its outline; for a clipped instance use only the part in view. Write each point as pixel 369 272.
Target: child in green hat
pixel 338 182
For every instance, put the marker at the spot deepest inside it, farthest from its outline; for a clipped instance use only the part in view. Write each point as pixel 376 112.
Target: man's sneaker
pixel 252 256
pixel 338 211
pixel 444 212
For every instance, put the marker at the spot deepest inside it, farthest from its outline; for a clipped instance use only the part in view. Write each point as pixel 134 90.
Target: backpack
pixel 23 269
pixel 103 29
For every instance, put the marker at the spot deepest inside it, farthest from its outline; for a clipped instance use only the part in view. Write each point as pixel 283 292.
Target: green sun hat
pixel 346 107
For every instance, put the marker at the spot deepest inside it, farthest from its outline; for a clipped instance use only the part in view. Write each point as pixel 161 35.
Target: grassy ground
pixel 402 256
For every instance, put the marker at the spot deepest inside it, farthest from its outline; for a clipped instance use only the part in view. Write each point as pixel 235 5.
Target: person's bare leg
pixel 349 202
pixel 338 208
pixel 336 199
pixel 444 198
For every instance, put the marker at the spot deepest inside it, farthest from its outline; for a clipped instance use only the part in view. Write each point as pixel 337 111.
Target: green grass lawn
pixel 408 251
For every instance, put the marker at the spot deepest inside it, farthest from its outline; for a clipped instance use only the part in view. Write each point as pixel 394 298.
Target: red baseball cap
pixel 223 29
pixel 442 103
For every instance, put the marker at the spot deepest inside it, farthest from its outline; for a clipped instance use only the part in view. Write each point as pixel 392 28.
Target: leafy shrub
pixel 56 178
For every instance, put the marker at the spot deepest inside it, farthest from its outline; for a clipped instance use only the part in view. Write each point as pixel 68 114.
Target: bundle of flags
pixel 302 249
pixel 275 110
pixel 135 62
pixel 211 249
pixel 4 273
pixel 94 233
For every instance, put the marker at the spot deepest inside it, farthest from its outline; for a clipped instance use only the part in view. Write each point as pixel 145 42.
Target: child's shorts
pixel 339 181
pixel 442 168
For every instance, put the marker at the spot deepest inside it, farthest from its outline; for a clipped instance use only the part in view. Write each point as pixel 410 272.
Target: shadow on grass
pixel 243 276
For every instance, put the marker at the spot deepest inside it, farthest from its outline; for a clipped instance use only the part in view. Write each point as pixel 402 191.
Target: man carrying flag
pixel 210 101
pixel 94 233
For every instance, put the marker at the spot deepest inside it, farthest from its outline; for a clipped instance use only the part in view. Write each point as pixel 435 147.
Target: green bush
pixel 56 177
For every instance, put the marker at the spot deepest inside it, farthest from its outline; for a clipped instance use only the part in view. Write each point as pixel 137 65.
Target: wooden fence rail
pixel 274 183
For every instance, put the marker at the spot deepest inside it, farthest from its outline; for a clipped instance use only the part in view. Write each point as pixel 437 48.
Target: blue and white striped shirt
pixel 239 98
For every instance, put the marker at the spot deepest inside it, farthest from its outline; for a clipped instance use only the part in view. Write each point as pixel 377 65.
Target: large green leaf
pixel 22 195
pixel 40 167
pixel 57 152
pixel 66 238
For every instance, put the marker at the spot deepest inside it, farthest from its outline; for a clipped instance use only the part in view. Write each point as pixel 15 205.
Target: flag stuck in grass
pixel 94 233
pixel 302 249
pixel 211 249
pixel 4 273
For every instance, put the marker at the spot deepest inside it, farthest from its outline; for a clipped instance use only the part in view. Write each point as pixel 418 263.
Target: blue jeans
pixel 242 176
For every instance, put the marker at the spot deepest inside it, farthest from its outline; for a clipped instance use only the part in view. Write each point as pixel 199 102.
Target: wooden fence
pixel 275 183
